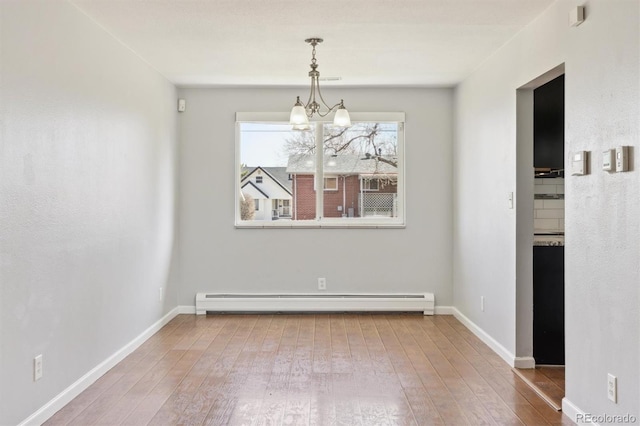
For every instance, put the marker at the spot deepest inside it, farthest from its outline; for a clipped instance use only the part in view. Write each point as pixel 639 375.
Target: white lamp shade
pixel 298 116
pixel 342 119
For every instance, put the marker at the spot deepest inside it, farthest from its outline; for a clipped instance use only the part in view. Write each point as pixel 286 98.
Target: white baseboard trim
pixel 574 413
pixel 524 362
pixel 502 352
pixel 444 310
pixel 50 408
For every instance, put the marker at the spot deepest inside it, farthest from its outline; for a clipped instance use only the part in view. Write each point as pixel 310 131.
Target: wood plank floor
pixel 339 369
pixel 547 381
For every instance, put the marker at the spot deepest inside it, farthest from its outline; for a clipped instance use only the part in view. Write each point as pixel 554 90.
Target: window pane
pixel 330 183
pixel 274 167
pixel 363 160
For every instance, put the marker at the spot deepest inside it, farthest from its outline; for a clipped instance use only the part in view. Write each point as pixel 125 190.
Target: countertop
pixel 548 240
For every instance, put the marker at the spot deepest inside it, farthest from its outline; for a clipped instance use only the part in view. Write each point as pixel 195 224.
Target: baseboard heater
pixel 219 302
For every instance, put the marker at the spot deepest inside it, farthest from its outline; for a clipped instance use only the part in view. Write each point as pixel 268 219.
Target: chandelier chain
pixel 314 64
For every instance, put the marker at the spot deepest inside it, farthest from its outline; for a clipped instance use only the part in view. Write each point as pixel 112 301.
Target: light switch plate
pixel 622 159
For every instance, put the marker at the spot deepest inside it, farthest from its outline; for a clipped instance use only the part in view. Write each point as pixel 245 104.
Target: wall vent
pixel 229 302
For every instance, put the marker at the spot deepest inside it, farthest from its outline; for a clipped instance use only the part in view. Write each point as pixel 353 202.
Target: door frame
pixel 524 216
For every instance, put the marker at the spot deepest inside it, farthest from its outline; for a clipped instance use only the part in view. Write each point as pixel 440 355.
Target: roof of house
pixel 347 164
pixel 278 174
pixel 255 188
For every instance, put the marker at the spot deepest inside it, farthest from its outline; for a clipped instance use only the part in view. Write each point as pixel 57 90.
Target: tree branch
pixel 381 159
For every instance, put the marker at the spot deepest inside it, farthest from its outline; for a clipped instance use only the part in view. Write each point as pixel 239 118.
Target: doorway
pixel 539 210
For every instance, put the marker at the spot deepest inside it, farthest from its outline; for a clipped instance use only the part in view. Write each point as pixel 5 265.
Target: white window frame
pixel 324 183
pixel 322 222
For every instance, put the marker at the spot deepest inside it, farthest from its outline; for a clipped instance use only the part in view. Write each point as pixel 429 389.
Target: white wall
pixel 415 259
pixel 87 172
pixel 602 211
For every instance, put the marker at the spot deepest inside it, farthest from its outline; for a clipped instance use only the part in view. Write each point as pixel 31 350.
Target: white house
pixel 270 188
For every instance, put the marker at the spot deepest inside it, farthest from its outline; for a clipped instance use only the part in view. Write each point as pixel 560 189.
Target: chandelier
pixel 300 114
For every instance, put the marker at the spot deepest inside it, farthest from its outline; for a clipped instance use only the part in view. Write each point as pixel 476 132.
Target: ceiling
pixel 261 42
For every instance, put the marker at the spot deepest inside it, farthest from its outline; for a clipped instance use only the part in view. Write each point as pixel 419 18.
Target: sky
pixel 262 144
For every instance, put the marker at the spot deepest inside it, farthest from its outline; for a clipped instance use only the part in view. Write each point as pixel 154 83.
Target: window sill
pixel 328 224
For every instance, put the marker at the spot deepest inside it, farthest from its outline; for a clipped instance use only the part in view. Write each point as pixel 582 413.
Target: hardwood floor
pixel 547 381
pixel 339 369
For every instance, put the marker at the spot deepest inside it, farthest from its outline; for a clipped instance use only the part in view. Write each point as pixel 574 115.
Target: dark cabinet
pixel 548 125
pixel 548 305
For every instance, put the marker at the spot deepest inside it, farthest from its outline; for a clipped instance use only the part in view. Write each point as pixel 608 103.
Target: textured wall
pixel 602 211
pixel 415 259
pixel 87 166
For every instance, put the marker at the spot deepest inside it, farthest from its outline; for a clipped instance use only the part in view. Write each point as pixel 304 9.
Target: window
pixel 360 170
pixel 370 184
pixel 256 205
pixel 331 184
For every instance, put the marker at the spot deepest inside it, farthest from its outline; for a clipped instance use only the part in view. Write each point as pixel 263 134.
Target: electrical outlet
pixel 612 388
pixel 160 294
pixel 322 283
pixel 37 368
pixel 482 303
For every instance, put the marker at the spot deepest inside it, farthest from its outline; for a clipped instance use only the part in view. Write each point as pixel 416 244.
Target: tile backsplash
pixel 548 214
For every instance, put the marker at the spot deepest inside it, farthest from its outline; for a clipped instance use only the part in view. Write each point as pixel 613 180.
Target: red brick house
pixel 354 186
